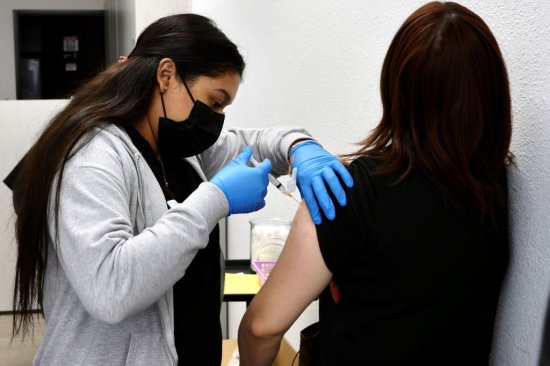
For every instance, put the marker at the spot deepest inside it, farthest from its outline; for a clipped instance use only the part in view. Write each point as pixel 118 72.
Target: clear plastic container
pixel 267 238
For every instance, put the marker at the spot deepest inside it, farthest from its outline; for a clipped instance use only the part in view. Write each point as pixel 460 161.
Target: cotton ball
pixel 267 238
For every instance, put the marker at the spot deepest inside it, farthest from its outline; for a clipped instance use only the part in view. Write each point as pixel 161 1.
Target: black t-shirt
pixel 197 299
pixel 418 277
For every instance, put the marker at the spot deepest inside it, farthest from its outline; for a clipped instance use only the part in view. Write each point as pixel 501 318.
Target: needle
pixel 275 182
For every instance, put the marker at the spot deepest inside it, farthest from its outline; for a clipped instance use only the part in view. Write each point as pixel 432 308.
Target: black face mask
pixel 192 136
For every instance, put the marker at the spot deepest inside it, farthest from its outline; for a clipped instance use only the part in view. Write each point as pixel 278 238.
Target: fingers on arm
pixel 322 197
pixel 311 202
pixel 343 173
pixel 335 186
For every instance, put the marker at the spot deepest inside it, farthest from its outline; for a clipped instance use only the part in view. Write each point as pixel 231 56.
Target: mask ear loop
pixel 188 91
pixel 163 107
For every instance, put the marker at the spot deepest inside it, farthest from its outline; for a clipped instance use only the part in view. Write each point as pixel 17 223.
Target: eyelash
pixel 216 104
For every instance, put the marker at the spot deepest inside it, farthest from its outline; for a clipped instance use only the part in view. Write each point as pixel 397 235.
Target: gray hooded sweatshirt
pixel 118 250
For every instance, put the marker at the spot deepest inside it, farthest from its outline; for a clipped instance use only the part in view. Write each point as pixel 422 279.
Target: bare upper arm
pixel 298 278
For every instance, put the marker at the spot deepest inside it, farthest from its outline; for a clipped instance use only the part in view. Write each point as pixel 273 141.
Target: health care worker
pixel 122 277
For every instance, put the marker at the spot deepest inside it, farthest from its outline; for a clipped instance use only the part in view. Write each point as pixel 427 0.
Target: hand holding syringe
pixel 276 182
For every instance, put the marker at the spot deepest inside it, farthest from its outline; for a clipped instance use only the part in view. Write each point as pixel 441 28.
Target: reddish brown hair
pixel 446 106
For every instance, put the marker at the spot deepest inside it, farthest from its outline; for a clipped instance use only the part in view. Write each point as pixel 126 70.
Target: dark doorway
pixel 56 50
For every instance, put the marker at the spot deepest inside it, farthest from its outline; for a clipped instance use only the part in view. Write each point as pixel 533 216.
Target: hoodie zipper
pixel 163 326
pixel 166 185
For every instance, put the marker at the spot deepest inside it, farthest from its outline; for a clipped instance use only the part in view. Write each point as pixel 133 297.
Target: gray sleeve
pixel 115 273
pixel 272 143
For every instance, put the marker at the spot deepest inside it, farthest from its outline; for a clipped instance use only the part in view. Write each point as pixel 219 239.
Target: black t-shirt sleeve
pixel 345 238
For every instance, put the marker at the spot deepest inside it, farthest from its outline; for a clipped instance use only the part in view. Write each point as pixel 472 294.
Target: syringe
pixel 275 182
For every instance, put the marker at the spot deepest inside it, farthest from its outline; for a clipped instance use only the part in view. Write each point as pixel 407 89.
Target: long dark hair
pixel 446 106
pixel 119 95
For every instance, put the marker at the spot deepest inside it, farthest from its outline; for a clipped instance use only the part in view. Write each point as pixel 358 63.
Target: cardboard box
pixel 230 354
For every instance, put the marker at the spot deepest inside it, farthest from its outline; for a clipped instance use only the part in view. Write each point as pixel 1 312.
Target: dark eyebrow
pixel 226 94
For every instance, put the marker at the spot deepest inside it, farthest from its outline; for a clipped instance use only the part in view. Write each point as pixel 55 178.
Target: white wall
pixel 523 30
pixel 149 11
pixel 20 124
pixel 317 64
pixel 7 56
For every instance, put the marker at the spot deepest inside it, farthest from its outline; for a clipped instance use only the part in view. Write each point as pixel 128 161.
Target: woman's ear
pixel 166 72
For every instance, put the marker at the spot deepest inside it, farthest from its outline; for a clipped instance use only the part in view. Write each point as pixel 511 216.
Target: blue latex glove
pixel 244 187
pixel 317 167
